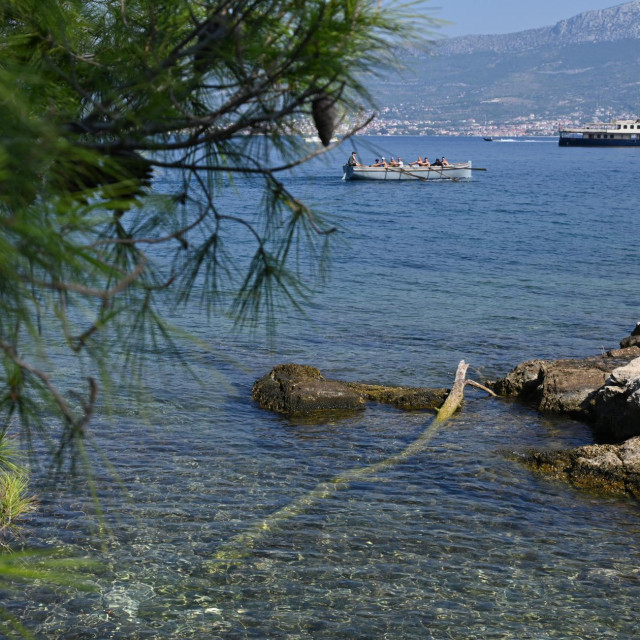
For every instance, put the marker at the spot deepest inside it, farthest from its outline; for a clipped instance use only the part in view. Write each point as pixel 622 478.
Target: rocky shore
pixel 602 468
pixel 603 391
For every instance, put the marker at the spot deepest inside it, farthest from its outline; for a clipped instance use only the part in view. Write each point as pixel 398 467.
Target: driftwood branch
pixel 456 395
pixel 473 383
pixel 241 546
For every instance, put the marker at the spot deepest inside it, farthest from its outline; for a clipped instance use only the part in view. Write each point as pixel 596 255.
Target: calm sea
pixel 225 521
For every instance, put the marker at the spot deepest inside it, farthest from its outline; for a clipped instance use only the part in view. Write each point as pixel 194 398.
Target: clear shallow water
pixel 534 258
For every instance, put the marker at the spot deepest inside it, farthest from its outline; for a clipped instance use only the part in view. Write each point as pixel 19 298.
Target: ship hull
pixel 588 142
pixel 619 133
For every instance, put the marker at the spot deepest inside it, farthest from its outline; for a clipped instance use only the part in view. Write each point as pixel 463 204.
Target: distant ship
pixel 619 133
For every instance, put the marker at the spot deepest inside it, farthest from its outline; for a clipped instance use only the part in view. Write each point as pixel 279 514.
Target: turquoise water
pixel 536 257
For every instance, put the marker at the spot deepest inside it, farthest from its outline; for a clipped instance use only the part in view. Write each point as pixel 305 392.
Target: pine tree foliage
pixel 97 98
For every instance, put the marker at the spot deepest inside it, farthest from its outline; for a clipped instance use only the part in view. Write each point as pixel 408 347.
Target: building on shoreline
pixel 394 121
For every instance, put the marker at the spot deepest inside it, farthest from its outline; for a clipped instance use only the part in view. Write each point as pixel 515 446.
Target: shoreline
pixel 602 391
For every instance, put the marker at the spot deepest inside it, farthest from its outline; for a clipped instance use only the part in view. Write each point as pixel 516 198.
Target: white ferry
pixel 619 133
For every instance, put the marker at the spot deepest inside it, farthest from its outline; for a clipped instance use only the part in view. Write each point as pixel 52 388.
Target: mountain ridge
pixel 619 22
pixel 584 68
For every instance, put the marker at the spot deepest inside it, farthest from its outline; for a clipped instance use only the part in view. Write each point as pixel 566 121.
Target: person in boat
pixel 437 163
pixel 393 162
pixel 353 161
pixel 445 162
pixel 379 163
pixel 420 162
pixel 399 162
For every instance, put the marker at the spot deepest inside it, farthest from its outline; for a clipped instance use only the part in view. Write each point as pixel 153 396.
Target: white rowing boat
pixel 457 171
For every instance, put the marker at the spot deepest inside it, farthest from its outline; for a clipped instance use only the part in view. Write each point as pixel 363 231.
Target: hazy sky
pixel 507 16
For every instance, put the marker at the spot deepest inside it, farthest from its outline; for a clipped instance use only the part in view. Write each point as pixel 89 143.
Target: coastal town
pixel 399 121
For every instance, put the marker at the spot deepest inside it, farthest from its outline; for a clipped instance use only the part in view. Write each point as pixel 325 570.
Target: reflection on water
pixel 454 541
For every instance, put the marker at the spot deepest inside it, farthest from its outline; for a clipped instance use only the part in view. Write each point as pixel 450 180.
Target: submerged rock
pixel 295 389
pixel 605 468
pixel 409 398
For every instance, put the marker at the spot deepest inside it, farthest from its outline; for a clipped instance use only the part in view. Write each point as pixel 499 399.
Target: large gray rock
pixel 605 468
pixel 569 384
pixel 560 386
pixel 601 390
pixel 616 405
pixel 524 381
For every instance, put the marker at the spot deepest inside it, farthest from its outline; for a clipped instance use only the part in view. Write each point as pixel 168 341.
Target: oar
pixel 403 170
pixel 453 166
pixel 442 176
pixel 409 173
pixel 441 170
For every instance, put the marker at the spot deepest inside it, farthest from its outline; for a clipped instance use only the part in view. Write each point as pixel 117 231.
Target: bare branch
pixel 473 383
pixel 177 235
pixel 106 294
pixel 258 169
pixel 88 407
pixel 10 352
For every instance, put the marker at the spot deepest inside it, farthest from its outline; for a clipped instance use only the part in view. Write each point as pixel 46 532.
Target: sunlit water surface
pixel 536 257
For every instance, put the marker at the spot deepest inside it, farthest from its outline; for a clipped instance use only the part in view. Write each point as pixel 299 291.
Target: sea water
pixel 222 520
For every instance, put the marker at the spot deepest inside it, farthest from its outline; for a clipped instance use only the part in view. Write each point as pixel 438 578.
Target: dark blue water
pixel 222 520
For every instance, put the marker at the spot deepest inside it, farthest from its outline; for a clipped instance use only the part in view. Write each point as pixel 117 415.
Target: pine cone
pixel 324 117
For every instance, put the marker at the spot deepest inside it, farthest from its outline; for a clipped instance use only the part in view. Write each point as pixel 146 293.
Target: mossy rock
pixel 294 389
pixel 301 390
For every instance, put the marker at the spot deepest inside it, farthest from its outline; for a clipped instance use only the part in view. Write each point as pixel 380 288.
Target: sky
pixel 507 16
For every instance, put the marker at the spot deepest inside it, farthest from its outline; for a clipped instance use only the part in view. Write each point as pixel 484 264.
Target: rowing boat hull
pixel 458 171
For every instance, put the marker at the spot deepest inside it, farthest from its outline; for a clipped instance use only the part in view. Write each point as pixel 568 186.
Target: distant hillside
pixel 621 22
pixel 582 66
